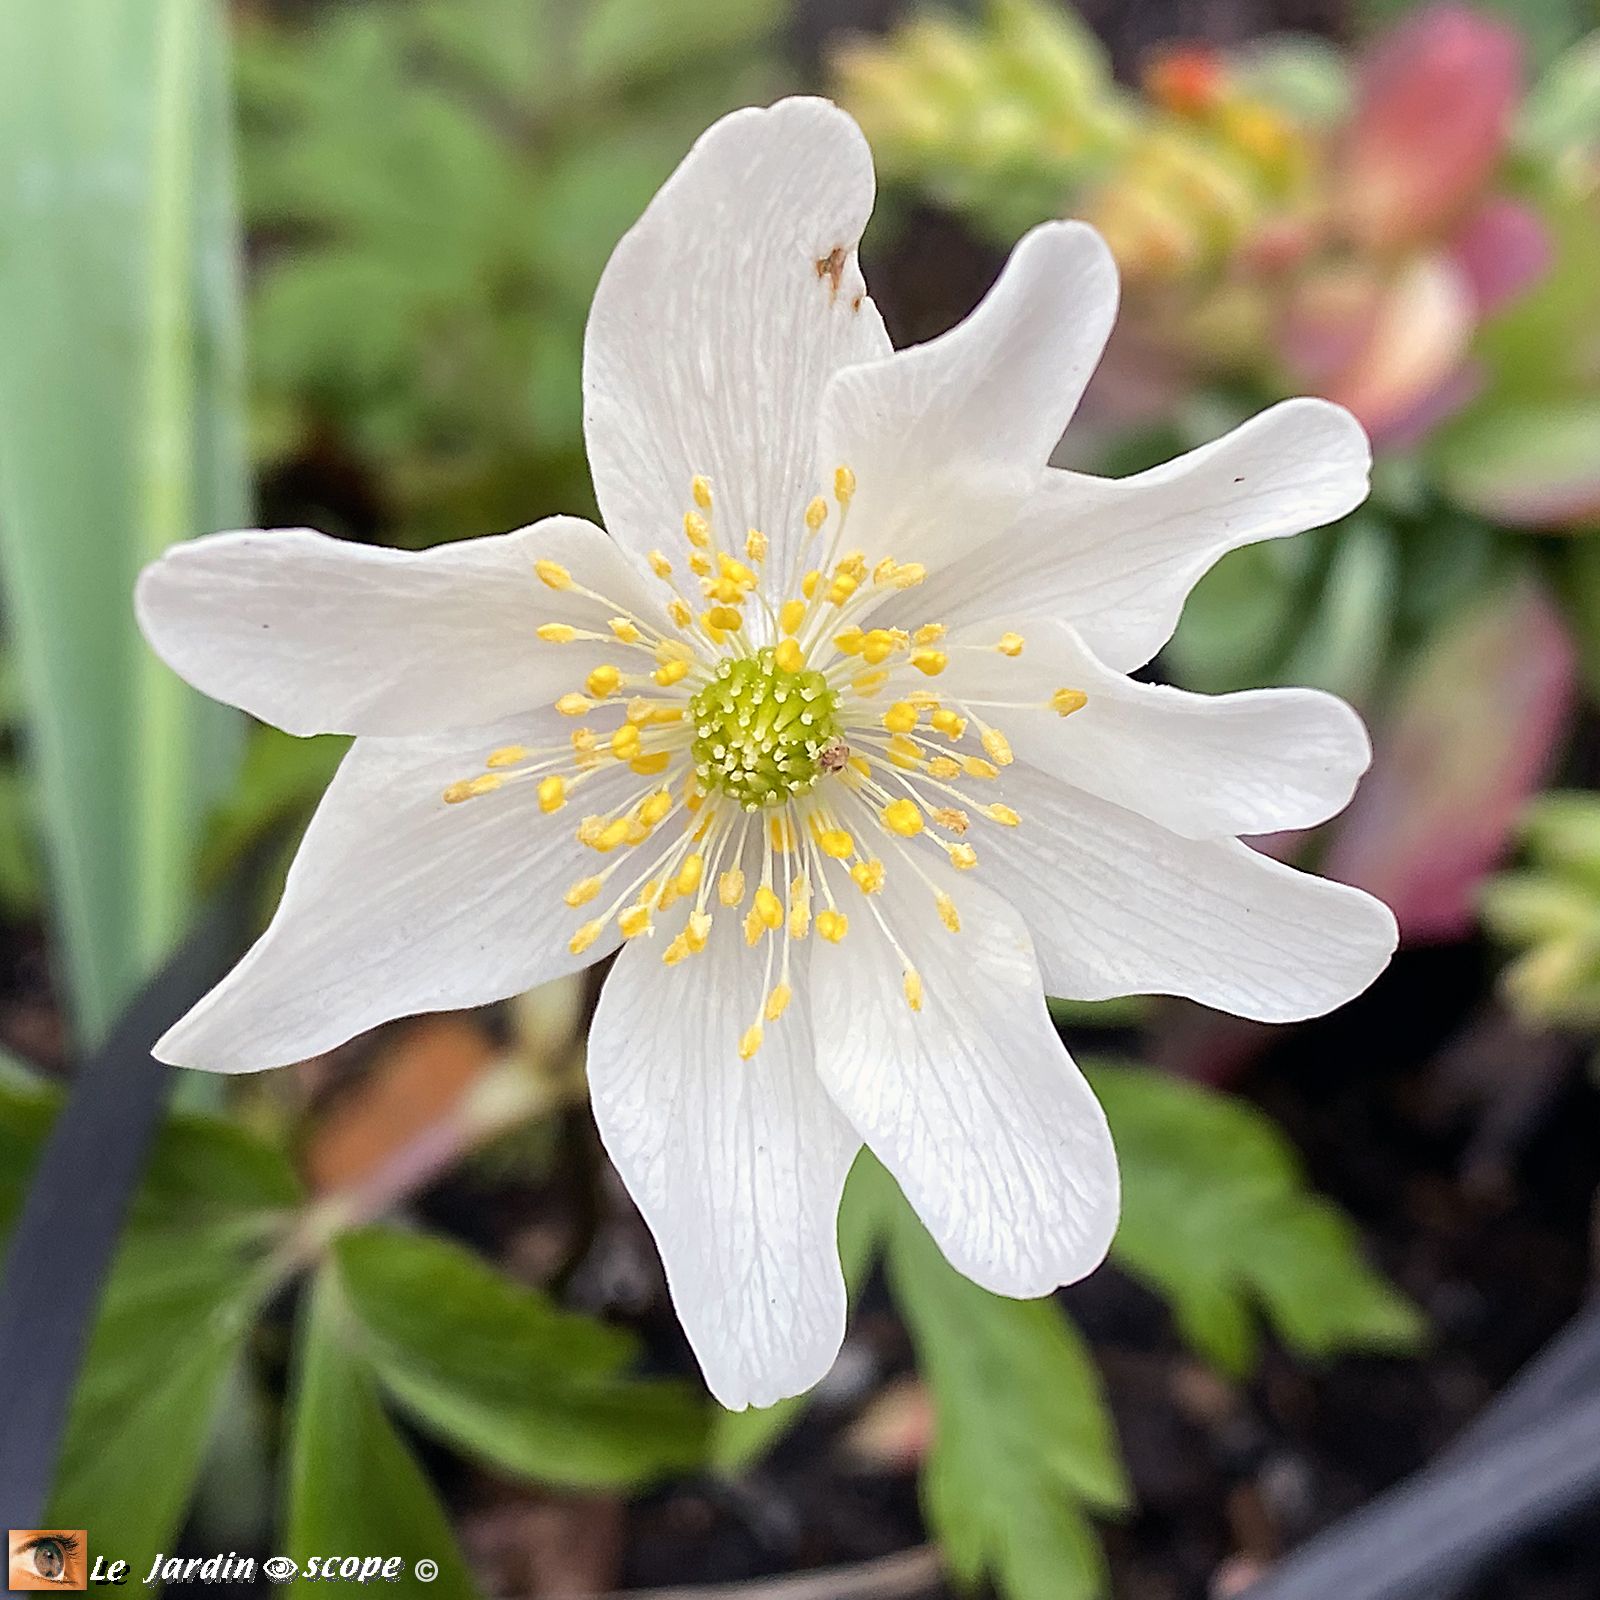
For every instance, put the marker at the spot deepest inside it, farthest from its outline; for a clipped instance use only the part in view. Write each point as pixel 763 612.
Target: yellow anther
pixel 655 808
pixel 842 587
pixel 929 633
pixel 869 683
pixel 700 563
pixel 659 564
pixel 869 875
pixel 1010 644
pixel 672 672
pixel 582 892
pixel 963 857
pixel 848 641
pixel 1004 815
pixel 768 907
pixel 750 1042
pixel 737 570
pixel 789 657
pixel 977 767
pixel 877 647
pixel 639 711
pixel 730 886
pixel 678 610
pixel 574 705
pixel 754 928
pixel 947 722
pixel 553 574
pixel 931 662
pixel 838 844
pixel 590 829
pixel 700 488
pixel 697 930
pixel 911 983
pixel 484 783
pixel 952 819
pixel 673 650
pixel 638 831
pixel 998 747
pixel 697 530
pixel 625 742
pixel 755 545
pixel 945 767
pixel 603 681
pixel 556 633
pixel 585 936
pixel 612 834
pixel 552 792
pixel 844 484
pixel 903 753
pixel 910 575
pixel 901 717
pixel 832 925
pixel 690 873
pixel 656 762
pixel 728 618
pixel 663 716
pixel 456 792
pixel 777 1002
pixel 508 755
pixel 624 630
pixel 816 513
pixel 808 584
pixel 799 909
pixel 677 949
pixel 902 817
pixel 725 591
pixel 583 747
pixel 885 570
pixel 633 921
pixel 948 914
pixel 791 614
pixel 859 766
pixel 1065 701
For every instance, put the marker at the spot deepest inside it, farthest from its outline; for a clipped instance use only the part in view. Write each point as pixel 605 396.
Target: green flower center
pixel 760 732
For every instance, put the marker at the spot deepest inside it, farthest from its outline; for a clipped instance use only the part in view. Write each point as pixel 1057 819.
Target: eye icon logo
pixel 47 1558
pixel 279 1568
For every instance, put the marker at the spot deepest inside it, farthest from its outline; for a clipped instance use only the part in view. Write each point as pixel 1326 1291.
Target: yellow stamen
pixel 751 1041
pixel 932 662
pixel 903 817
pixel 791 614
pixel 816 513
pixel 700 488
pixel 556 633
pixel 585 936
pixel 997 746
pixel 1002 814
pixel 768 907
pixel 777 1002
pixel 912 984
pixel 660 565
pixel 553 574
pixel 1065 701
pixel 552 792
pixel 697 530
pixel 624 630
pixel 634 921
pixel 582 892
pixel 963 857
pixel 844 484
pixel 574 705
pixel 901 717
pixel 730 886
pixel 869 875
pixel 508 755
pixel 1010 644
pixel 789 657
pixel 832 925
pixel 838 844
pixel 603 681
pixel 755 545
pixel 948 914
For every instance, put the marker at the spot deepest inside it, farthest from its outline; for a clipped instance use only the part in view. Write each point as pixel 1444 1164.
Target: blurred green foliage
pixel 434 187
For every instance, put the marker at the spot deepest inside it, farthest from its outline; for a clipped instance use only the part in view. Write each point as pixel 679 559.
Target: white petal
pixel 719 319
pixel 1118 905
pixel 1118 557
pixel 947 439
pixel 1209 766
pixel 397 903
pixel 318 635
pixel 972 1102
pixel 736 1165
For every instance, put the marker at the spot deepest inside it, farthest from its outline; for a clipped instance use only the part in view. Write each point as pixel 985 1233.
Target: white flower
pixel 831 729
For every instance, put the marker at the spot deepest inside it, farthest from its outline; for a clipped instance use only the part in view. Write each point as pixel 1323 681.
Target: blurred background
pixel 327 262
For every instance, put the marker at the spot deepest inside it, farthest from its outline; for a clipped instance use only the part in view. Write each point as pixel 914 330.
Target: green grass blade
pixel 120 431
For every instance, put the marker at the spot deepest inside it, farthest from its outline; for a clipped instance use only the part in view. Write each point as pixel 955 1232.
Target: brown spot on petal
pixel 831 267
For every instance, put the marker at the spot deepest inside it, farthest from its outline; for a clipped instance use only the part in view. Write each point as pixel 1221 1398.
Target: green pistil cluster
pixel 760 731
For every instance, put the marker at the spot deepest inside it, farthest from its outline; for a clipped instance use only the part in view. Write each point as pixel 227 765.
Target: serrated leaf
pixel 1217 1217
pixel 500 1371
pixel 354 1487
pixel 1024 1448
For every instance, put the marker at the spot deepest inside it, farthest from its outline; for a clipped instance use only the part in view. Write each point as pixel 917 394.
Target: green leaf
pixel 497 1369
pixel 740 1438
pixel 354 1488
pixel 1217 1218
pixel 120 408
pixel 176 1310
pixel 1024 1448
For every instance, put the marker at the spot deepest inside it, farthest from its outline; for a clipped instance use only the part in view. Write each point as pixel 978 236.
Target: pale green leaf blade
pixel 120 432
